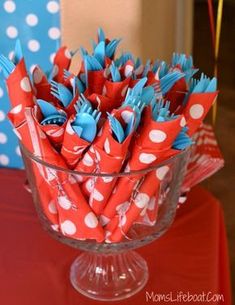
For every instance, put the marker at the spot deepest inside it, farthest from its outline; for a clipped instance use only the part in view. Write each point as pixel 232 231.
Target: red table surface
pixel 34 269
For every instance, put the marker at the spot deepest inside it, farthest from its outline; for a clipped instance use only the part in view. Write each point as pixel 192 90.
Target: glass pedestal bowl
pixel 114 271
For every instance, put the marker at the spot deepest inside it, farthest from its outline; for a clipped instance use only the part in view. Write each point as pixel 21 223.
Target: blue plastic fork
pixel 85 123
pixel 160 110
pixel 82 101
pixel 169 80
pixel 79 84
pixel 6 65
pixel 61 92
pixel 116 128
pixel 137 105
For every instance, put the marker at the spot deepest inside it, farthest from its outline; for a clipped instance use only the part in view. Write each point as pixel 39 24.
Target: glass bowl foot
pixel 109 277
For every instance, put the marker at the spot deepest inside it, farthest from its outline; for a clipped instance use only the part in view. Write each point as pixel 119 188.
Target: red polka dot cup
pixel 108 269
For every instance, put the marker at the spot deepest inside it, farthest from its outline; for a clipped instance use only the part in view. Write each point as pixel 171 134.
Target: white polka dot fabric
pixel 37 25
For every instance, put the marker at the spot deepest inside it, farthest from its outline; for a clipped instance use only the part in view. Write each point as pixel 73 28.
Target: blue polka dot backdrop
pixel 37 25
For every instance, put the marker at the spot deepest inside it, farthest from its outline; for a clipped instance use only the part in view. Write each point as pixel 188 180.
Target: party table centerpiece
pixel 105 152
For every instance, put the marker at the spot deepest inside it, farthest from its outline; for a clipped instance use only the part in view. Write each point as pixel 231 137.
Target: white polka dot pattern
pixel 4 160
pixel 90 185
pixel 12 32
pixel 87 160
pixel 141 200
pixel 54 33
pixel 53 7
pixel 64 202
pixel 9 6
pixel 147 158
pixel 31 19
pixel 2 116
pixel 162 171
pixel 157 136
pixel 68 227
pixel 1 92
pixel 196 111
pixel 91 220
pixel 25 84
pixel 52 208
pixel 97 195
pixel 3 138
pixel 107 146
pixel 33 45
pixel 32 25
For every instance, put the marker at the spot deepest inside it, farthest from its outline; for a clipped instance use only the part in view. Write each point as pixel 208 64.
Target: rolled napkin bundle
pixel 114 122
pixel 111 155
pixel 153 141
pixel 73 145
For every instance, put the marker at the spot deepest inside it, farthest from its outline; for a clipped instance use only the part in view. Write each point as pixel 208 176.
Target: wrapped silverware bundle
pixel 115 115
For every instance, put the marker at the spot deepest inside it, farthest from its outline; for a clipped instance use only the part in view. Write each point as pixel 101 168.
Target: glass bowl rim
pixel 102 174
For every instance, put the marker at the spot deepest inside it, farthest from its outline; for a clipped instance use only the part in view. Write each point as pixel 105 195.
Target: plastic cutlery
pixel 88 123
pixel 83 52
pixel 92 64
pixel 85 123
pixel 54 119
pixel 212 85
pixel 18 54
pixel 82 101
pixel 48 109
pixel 111 47
pixel 6 65
pixel 99 52
pixel 130 126
pixel 123 59
pixel 137 63
pixel 78 130
pixel 147 95
pixel 160 110
pixel 146 68
pixel 116 77
pixel 101 35
pixel 77 82
pixel 137 89
pixel 61 92
pixel 183 140
pixel 169 80
pixel 116 128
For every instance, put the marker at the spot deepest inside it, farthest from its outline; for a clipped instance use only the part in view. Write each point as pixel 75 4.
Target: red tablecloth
pixel 34 268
